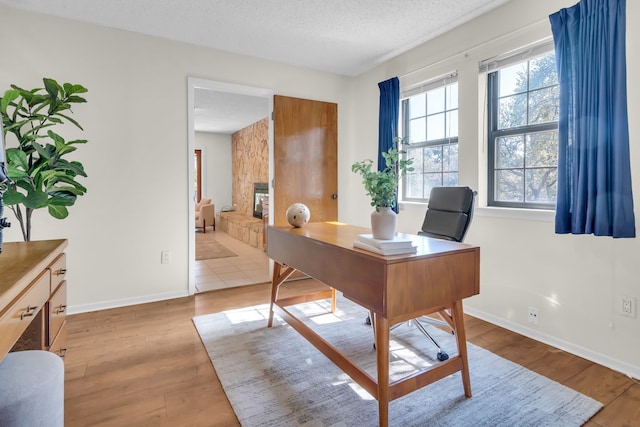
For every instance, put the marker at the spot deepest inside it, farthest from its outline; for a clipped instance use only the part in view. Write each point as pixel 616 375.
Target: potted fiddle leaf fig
pixel 41 174
pixel 382 187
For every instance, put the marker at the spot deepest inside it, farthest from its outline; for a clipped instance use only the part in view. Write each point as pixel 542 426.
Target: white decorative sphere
pixel 298 214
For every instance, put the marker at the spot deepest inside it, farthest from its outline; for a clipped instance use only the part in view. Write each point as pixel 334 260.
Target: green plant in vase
pixel 41 175
pixel 382 185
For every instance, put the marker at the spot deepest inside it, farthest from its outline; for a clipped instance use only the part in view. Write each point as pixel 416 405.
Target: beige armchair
pixel 205 215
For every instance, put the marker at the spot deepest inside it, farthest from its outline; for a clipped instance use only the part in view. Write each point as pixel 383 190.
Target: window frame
pixel 433 84
pixel 493 133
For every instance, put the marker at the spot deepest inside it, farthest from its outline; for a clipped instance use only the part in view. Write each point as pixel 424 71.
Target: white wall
pixel 137 157
pixel 136 123
pixel 574 281
pixel 216 167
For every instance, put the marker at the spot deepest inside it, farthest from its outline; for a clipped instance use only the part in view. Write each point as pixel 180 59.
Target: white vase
pixel 383 223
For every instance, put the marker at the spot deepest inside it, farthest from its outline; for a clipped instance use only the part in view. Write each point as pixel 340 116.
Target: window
pixel 523 133
pixel 430 134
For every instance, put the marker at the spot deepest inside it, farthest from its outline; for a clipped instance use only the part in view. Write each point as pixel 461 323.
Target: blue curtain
pixel 594 173
pixel 388 119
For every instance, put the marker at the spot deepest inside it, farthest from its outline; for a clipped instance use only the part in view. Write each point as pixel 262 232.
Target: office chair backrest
pixel 449 213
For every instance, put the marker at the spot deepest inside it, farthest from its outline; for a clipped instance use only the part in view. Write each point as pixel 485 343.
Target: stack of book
pixel 395 246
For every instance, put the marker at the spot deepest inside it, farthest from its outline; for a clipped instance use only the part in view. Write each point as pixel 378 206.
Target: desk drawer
pixel 19 314
pixel 57 312
pixel 59 344
pixel 58 270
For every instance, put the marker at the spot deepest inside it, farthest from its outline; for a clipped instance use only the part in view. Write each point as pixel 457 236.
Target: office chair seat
pixel 449 213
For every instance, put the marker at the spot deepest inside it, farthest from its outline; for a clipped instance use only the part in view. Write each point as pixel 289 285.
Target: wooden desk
pixel 394 288
pixel 33 296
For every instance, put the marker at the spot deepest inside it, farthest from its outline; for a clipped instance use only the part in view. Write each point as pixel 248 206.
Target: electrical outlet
pixel 627 306
pixel 534 318
pixel 165 257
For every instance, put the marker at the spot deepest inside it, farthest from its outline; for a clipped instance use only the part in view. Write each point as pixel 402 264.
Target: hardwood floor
pixel 145 365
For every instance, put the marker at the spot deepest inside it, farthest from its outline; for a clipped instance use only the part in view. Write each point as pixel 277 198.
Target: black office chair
pixel 449 214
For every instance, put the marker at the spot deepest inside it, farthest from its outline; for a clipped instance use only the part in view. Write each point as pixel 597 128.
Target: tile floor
pixel 249 267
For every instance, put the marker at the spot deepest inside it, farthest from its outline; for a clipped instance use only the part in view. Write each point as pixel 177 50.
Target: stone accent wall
pixel 250 163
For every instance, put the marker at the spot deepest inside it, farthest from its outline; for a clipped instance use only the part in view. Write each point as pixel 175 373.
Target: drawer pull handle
pixel 61 308
pixel 28 313
pixel 61 272
pixel 62 352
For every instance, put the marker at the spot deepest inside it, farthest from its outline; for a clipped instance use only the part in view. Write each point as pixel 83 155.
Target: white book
pixel 393 251
pixel 396 242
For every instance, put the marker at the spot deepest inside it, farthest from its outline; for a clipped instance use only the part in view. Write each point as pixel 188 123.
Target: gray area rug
pixel 274 377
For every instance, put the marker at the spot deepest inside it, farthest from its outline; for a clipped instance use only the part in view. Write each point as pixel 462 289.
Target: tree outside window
pixel 430 135
pixel 523 134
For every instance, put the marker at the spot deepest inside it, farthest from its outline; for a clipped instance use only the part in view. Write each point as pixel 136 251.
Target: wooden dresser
pixel 33 296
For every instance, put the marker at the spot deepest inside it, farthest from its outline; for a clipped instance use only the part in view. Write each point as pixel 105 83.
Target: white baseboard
pixel 609 362
pixel 84 308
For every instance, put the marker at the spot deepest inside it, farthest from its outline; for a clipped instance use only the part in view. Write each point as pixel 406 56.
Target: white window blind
pixel 513 57
pixel 444 80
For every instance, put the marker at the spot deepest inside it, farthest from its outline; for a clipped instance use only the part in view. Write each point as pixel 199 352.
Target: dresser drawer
pixel 59 345
pixel 57 312
pixel 18 315
pixel 58 270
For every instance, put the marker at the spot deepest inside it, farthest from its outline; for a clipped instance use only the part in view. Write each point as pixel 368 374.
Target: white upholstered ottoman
pixel 31 389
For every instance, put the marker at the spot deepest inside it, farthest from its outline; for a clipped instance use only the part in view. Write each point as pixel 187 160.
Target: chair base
pixel 440 355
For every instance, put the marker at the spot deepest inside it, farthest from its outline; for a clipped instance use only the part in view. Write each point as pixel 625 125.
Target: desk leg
pixel 280 274
pixel 381 325
pixel 333 300
pixel 461 337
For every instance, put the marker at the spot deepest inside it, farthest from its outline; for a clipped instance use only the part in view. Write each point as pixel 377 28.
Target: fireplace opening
pixel 260 190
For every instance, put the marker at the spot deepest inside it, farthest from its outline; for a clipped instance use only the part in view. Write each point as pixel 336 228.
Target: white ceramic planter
pixel 383 223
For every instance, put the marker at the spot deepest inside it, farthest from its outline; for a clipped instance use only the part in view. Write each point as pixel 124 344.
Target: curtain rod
pixel 468 51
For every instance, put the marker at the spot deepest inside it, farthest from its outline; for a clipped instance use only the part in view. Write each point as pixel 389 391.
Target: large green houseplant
pixel 382 187
pixel 40 173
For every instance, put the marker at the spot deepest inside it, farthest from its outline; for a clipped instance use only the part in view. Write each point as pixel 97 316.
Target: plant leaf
pixel 17 157
pixel 58 212
pixel 76 99
pixel 41 150
pixel 70 89
pixel 52 87
pixel 71 120
pixel 9 96
pixel 62 198
pixel 36 200
pixel 12 197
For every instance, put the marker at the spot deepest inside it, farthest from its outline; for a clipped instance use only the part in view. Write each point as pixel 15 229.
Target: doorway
pixel 230 95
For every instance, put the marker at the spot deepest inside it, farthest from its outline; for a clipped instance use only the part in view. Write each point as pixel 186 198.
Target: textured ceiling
pixel 224 112
pixel 345 37
pixel 339 36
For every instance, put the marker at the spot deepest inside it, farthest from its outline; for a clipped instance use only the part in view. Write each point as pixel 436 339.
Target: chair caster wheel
pixel 442 356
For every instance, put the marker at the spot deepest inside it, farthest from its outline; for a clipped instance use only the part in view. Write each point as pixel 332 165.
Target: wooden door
pixel 305 158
